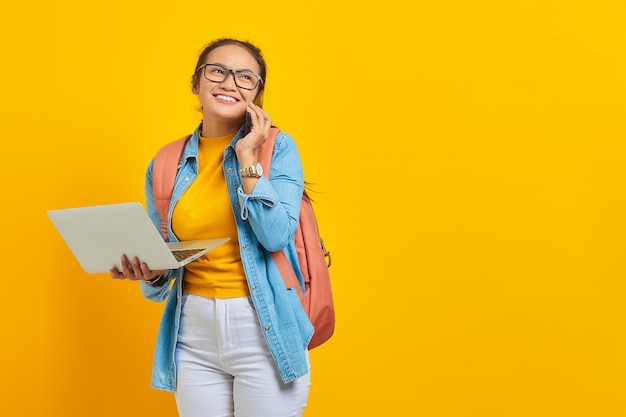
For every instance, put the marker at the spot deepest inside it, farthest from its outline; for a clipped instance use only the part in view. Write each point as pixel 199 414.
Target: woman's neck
pixel 212 128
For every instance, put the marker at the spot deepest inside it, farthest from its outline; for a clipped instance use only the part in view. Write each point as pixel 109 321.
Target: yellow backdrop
pixel 469 164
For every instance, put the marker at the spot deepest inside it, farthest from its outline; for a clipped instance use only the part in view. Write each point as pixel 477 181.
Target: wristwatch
pixel 254 171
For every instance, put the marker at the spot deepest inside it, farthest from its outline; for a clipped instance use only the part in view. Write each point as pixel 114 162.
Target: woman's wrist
pixel 157 279
pixel 246 159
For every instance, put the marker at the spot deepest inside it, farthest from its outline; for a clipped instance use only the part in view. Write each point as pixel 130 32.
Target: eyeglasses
pixel 218 73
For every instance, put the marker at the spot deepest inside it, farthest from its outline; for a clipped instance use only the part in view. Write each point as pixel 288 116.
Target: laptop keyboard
pixel 185 253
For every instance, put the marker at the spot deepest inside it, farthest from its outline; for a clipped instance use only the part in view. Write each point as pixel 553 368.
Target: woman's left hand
pixel 261 123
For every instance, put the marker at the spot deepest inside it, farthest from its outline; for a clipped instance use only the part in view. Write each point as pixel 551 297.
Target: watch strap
pixel 250 171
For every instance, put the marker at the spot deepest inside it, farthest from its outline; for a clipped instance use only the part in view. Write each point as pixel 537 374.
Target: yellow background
pixel 469 164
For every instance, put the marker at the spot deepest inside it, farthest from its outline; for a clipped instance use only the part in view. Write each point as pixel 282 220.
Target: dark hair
pixel 256 53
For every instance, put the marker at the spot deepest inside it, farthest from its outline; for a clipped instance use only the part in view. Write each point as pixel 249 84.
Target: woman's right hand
pixel 135 270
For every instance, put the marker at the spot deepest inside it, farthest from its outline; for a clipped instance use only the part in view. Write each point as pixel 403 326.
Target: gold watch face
pixel 259 169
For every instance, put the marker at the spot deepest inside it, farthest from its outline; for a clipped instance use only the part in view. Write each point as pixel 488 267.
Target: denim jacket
pixel 266 221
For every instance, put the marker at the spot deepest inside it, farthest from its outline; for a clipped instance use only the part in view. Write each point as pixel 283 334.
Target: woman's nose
pixel 229 82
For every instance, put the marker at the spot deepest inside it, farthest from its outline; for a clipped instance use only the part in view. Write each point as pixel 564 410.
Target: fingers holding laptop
pixel 135 270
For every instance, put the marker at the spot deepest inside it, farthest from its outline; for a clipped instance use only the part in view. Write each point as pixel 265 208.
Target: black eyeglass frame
pixel 231 71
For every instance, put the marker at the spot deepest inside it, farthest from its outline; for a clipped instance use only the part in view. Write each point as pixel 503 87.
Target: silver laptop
pixel 98 236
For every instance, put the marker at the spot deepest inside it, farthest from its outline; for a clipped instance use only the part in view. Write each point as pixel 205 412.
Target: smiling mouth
pixel 226 98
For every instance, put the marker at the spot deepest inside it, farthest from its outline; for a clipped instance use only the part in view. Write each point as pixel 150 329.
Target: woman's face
pixel 224 101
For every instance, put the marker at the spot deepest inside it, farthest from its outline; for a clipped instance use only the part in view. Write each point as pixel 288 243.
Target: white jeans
pixel 224 367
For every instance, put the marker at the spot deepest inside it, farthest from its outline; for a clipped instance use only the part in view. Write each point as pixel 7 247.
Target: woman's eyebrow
pixel 236 69
pixel 245 69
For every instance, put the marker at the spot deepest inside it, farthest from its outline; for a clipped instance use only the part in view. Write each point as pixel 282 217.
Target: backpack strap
pixel 266 152
pixel 164 170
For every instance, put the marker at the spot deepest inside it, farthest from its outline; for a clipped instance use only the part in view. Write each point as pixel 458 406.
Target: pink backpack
pixel 317 298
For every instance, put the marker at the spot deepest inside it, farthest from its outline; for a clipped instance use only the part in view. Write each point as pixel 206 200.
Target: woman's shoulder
pixel 283 138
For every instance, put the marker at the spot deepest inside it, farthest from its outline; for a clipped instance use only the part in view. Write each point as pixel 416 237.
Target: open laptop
pixel 98 236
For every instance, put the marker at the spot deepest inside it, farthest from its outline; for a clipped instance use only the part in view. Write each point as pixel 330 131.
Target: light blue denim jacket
pixel 266 221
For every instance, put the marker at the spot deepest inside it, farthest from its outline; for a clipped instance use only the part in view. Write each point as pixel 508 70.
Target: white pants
pixel 224 367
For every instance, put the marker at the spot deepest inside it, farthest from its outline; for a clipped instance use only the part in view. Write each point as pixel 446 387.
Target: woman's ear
pixel 194 84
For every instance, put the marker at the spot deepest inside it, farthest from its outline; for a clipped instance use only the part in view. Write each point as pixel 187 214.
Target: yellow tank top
pixel 204 212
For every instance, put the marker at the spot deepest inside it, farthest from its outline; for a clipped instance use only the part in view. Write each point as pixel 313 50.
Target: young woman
pixel 233 340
